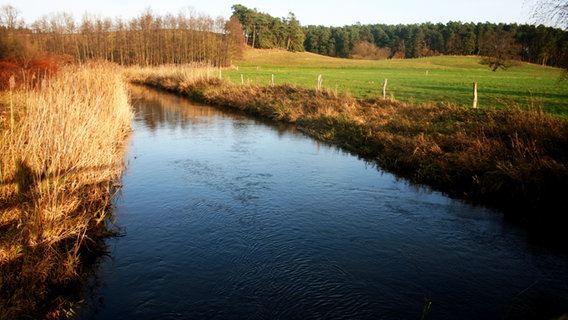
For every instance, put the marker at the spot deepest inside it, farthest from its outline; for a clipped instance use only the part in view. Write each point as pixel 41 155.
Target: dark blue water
pixel 228 218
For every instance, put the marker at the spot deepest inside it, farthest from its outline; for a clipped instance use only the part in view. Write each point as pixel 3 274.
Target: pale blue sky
pixel 328 12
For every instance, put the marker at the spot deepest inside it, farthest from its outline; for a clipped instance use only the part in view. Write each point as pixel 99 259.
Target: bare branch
pixel 9 17
pixel 554 12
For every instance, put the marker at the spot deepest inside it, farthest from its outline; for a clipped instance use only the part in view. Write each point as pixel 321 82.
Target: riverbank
pixel 62 143
pixel 506 158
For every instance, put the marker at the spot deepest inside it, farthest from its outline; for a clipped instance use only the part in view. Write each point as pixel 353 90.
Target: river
pixel 227 217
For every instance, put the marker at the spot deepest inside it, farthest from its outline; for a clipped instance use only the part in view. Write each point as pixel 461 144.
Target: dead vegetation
pixel 62 145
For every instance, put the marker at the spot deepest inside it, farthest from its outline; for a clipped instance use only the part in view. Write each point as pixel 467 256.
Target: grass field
pixel 437 80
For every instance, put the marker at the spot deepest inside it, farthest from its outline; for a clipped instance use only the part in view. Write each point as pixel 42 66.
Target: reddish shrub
pixel 399 55
pixel 7 69
pixel 30 73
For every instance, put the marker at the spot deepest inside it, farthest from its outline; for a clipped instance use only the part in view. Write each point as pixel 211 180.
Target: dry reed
pixel 172 77
pixel 58 171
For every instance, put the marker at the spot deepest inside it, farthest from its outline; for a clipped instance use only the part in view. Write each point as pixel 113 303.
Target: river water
pixel 226 217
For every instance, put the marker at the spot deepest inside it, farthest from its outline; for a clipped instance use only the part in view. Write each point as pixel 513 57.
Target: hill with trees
pixel 537 44
pixel 266 32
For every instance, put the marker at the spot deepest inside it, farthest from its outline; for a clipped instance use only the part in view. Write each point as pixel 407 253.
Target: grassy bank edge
pixel 62 145
pixel 509 159
pixel 432 80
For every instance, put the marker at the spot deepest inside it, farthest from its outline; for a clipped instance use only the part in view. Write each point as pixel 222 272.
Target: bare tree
pixel 147 39
pixel 551 11
pixel 555 12
pixel 499 49
pixel 10 17
pixel 367 50
pixel 236 39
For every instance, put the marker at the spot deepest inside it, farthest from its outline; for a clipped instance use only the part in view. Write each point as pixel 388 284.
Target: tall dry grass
pixel 62 146
pixel 177 78
pixel 507 158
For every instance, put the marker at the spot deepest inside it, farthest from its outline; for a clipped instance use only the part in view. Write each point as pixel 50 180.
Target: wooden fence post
pixel 242 79
pixel 385 89
pixel 320 82
pixel 475 95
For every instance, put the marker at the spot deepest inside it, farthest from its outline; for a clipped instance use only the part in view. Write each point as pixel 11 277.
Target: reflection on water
pixel 180 112
pixel 226 217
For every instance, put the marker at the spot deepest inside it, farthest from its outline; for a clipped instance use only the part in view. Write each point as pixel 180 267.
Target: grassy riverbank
pixel 62 144
pixel 444 80
pixel 507 158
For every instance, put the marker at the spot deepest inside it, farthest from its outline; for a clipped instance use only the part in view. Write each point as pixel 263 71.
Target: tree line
pixel 151 39
pixel 536 44
pixel 147 39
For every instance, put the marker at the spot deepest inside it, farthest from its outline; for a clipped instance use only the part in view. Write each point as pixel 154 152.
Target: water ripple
pixel 229 218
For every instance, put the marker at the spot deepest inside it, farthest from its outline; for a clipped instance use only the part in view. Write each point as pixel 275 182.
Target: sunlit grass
pixel 438 80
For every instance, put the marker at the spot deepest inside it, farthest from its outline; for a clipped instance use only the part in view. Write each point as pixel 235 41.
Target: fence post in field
pixel 242 79
pixel 475 95
pixel 272 80
pixel 385 89
pixel 320 82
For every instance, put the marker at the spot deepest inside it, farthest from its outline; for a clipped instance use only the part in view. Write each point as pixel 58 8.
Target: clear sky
pixel 318 12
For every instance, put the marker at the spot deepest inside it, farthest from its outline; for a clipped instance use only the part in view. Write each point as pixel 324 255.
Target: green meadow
pixel 443 80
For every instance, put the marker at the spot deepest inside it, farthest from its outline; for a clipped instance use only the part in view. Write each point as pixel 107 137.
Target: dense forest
pixel 150 39
pixel 537 44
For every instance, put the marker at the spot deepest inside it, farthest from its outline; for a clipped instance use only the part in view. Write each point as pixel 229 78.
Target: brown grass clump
pixel 507 158
pixel 172 77
pixel 62 150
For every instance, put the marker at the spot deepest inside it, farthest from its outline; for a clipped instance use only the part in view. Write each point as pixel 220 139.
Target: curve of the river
pixel 226 217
